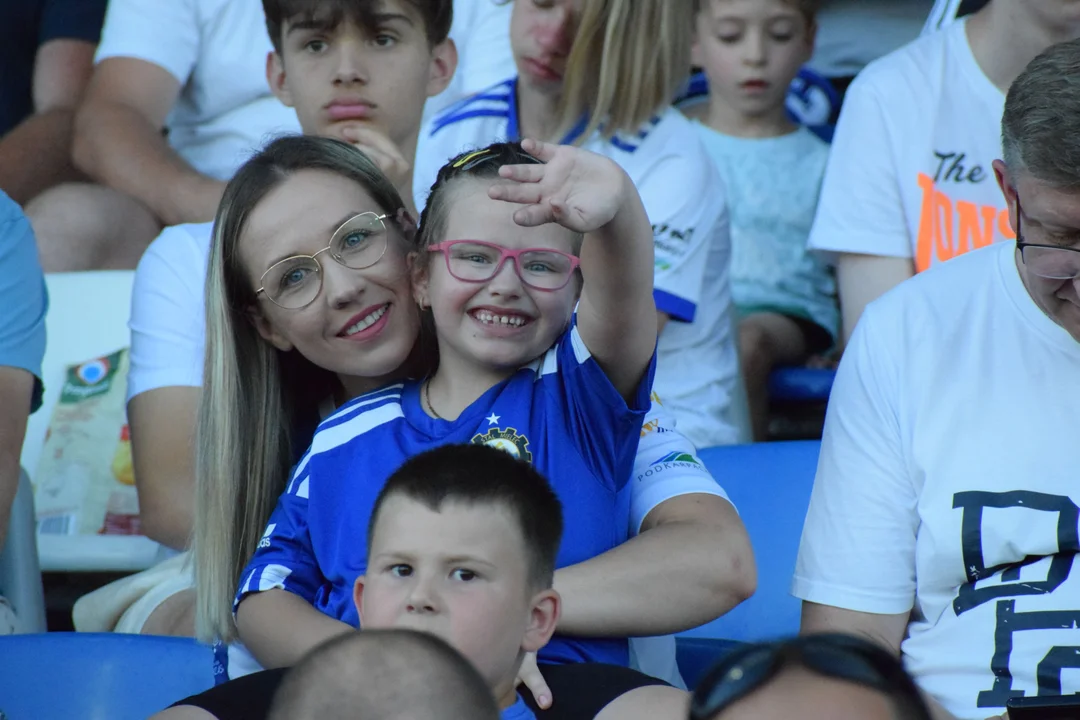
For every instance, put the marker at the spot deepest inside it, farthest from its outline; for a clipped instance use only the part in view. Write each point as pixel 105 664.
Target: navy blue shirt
pixel 26 25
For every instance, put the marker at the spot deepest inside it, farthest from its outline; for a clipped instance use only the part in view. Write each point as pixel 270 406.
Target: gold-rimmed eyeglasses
pixel 296 281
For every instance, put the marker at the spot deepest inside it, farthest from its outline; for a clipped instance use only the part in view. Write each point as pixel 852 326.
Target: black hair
pixel 438 15
pixel 479 164
pixel 483 475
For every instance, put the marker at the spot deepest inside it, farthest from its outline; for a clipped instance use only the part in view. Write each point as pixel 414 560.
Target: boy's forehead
pixel 329 14
pixel 407 525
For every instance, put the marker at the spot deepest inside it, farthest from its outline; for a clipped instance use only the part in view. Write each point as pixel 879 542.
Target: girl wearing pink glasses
pixel 534 262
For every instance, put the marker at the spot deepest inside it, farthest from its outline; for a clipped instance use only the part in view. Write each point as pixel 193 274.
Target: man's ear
pixel 267 330
pixel 420 279
pixel 1008 189
pixel 358 597
pixel 544 615
pixel 444 60
pixel 275 77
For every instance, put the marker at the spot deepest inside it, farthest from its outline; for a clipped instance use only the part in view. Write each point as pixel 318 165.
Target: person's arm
pixel 862 279
pixel 162 423
pixel 274 607
pixel 590 194
pixel 690 564
pixel 860 217
pixel 167 329
pixel 119 141
pixel 888 631
pixel 279 627
pixel 22 343
pixel 16 393
pixel 36 154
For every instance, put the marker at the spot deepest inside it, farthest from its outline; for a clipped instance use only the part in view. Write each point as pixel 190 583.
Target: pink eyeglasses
pixel 478 261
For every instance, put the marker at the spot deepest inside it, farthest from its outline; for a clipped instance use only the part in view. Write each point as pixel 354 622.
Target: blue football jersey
pixel 560 413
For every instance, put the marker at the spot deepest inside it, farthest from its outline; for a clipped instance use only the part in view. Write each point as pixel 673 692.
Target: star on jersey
pixel 492 419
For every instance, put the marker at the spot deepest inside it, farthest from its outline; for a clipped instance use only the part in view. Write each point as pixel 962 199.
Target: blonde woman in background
pixel 602 74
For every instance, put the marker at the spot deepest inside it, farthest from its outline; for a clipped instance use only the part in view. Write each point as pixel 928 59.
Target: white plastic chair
pixel 20 574
pixel 88 317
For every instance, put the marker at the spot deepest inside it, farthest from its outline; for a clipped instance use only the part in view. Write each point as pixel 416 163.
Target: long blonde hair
pixel 629 60
pixel 254 396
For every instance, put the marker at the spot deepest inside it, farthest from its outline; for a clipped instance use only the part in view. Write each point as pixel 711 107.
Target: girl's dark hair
pixel 483 164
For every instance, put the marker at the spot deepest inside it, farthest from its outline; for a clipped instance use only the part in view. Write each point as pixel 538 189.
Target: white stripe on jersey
pixel 332 437
pixel 581 352
pixel 390 391
pixel 302 491
pixel 328 438
pixel 273 577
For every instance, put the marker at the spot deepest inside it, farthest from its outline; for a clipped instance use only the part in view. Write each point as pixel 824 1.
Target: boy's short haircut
pixel 384 674
pixel 438 15
pixel 483 475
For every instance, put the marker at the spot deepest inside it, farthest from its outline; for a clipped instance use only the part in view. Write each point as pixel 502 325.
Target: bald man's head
pixel 384 675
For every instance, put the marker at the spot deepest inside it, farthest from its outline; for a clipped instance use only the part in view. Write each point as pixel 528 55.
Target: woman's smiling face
pixel 362 323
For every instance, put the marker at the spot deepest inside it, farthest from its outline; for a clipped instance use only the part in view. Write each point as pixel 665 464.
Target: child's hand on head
pixel 580 190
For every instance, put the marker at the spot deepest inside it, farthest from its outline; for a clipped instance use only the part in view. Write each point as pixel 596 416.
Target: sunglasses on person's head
pixel 842 657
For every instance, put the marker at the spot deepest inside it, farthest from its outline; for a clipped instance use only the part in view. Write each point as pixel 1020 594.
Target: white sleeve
pixel 167 323
pixel 860 209
pixel 666 467
pixel 686 203
pixel 858 543
pixel 163 33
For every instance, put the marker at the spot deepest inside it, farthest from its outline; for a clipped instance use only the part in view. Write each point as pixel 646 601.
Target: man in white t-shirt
pixel 909 182
pixel 177 101
pixel 944 517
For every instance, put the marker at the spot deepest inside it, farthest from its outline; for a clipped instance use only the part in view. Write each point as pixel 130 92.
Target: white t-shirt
pixel 947 484
pixel 910 172
pixel 481 32
pixel 216 50
pixel 685 199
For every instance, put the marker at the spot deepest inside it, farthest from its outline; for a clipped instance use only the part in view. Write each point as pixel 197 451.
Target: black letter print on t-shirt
pixel 1009 621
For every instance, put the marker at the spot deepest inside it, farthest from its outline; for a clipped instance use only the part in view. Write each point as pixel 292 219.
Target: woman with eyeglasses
pixel 822 676
pixel 303 315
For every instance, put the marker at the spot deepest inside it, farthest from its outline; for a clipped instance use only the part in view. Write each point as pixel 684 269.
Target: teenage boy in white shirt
pixel 909 182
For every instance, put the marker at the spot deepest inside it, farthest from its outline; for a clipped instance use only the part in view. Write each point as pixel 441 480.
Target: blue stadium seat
pixel 90 676
pixel 801 384
pixel 770 485
pixel 696 655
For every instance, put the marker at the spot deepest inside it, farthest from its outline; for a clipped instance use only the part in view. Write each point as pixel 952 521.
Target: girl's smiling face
pixel 363 323
pixel 500 324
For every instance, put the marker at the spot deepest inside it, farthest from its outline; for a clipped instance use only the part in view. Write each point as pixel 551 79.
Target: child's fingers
pixel 533 215
pixel 525 193
pixel 522 173
pixel 539 149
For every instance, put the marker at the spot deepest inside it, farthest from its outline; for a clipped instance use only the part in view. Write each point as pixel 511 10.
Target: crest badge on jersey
pixel 507 440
